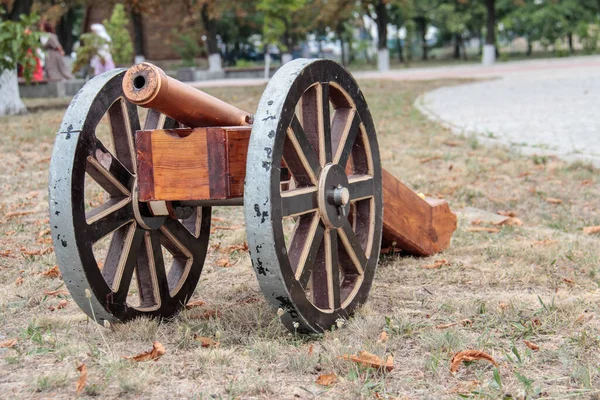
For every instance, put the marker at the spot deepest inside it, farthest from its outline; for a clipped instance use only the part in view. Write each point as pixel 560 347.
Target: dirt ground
pixel 526 295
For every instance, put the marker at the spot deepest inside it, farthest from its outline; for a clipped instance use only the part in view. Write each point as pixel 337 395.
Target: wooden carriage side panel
pixel 417 226
pixel 192 164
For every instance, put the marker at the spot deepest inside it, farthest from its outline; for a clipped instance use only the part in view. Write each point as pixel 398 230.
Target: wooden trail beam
pixel 209 164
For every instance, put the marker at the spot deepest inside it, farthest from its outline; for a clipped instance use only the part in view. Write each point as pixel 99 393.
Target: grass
pixel 537 282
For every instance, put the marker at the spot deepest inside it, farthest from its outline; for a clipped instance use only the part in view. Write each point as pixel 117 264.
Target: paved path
pixel 538 108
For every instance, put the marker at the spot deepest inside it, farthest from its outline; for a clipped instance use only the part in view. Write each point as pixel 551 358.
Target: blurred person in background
pixel 56 70
pixel 102 61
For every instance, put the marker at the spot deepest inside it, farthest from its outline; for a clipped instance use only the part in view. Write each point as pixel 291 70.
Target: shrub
pixel 116 27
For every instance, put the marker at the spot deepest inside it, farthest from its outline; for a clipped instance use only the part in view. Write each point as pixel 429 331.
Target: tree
pixel 489 51
pixel 282 25
pixel 121 45
pixel 458 20
pixel 422 13
pixel 18 45
pixel 377 10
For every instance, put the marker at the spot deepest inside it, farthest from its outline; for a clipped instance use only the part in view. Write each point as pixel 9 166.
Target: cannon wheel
pixel 133 279
pixel 314 239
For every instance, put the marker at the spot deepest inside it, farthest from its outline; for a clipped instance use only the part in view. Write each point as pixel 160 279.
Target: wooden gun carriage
pixel 305 167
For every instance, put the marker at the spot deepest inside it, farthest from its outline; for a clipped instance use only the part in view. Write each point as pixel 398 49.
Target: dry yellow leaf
pixel 437 264
pixel 512 221
pixel 466 322
pixel 427 159
pixel 370 360
pixel 56 292
pixel 383 337
pixel 207 342
pixel 19 281
pixel 194 304
pixel 224 262
pixel 158 350
pixel 43 232
pixel 482 229
pixel 53 272
pixel 326 379
pixel 531 345
pixel 82 369
pixel 568 281
pixel 553 200
pixel 469 355
pixel 8 343
pixel 237 247
pixel 591 229
pixel 445 326
pixel 511 214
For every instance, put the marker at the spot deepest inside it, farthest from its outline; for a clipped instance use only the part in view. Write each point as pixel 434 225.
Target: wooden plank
pixel 192 164
pixel 417 226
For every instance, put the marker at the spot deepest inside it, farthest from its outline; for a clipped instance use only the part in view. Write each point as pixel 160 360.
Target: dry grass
pixel 537 282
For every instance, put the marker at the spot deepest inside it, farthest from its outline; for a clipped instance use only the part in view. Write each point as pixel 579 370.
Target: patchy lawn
pixel 537 282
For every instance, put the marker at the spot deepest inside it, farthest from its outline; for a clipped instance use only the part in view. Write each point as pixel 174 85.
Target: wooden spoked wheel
pixel 116 258
pixel 312 198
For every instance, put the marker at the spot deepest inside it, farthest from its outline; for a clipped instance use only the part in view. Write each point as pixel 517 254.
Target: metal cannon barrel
pixel 148 86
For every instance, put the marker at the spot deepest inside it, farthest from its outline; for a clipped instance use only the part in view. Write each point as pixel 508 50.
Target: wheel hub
pixel 334 196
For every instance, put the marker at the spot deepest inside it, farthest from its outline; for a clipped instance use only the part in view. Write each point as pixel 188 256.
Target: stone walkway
pixel 534 107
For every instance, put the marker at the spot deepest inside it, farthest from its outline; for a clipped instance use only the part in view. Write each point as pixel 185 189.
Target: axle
pixel 148 86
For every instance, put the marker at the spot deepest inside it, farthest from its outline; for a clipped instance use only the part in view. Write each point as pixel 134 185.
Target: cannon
pixel 305 167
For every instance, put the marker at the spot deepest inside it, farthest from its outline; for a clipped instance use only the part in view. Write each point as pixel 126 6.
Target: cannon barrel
pixel 148 86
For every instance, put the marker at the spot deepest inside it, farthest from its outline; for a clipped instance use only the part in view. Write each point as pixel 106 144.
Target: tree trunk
pixel 212 48
pixel 422 27
pixel 456 47
pixel 400 47
pixel 490 38
pixel 570 40
pixel 138 36
pixel 10 99
pixel 383 54
pixel 529 47
pixel 19 7
pixel 343 55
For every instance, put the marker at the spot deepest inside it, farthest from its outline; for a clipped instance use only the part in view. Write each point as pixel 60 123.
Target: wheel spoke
pixel 108 218
pixel 300 156
pixel 108 171
pixel 333 269
pixel 353 249
pixel 325 144
pixel 124 122
pixel 121 260
pixel 180 234
pixel 344 131
pixel 360 187
pixel 316 120
pixel 306 242
pixel 159 265
pixel 298 201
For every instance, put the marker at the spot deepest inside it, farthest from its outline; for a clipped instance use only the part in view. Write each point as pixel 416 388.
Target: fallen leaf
pixel 8 343
pixel 383 337
pixel 476 222
pixel 158 350
pixel 445 326
pixel 62 304
pixel 224 262
pixel 38 252
pixel 310 349
pixel 589 230
pixel 19 281
pixel 511 221
pixel 56 292
pixel 207 342
pixel 82 369
pixel 5 253
pixel 466 322
pixel 427 159
pixel 437 264
pixel 208 314
pixel 531 345
pixel 536 322
pixel 451 143
pixel 18 213
pixel 469 355
pixel 53 272
pixel 544 242
pixel 326 379
pixel 511 214
pixel 568 281
pixel 584 318
pixel 482 229
pixel 502 305
pixel 553 200
pixel 236 247
pixel 194 304
pixel 43 232
pixel 370 360
pixel 524 174
pixel 586 182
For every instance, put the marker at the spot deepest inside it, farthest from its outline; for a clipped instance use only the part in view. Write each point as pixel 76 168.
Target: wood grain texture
pixel 417 226
pixel 192 164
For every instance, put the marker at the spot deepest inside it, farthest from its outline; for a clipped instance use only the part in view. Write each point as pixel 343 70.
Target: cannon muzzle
pixel 148 86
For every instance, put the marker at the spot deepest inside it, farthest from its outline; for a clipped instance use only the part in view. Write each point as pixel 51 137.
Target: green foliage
pixel 188 49
pixel 278 25
pixel 589 34
pixel 90 47
pixel 18 44
pixel 116 27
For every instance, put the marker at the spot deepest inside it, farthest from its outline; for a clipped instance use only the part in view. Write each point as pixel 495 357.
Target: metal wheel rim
pixel 102 294
pixel 275 264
